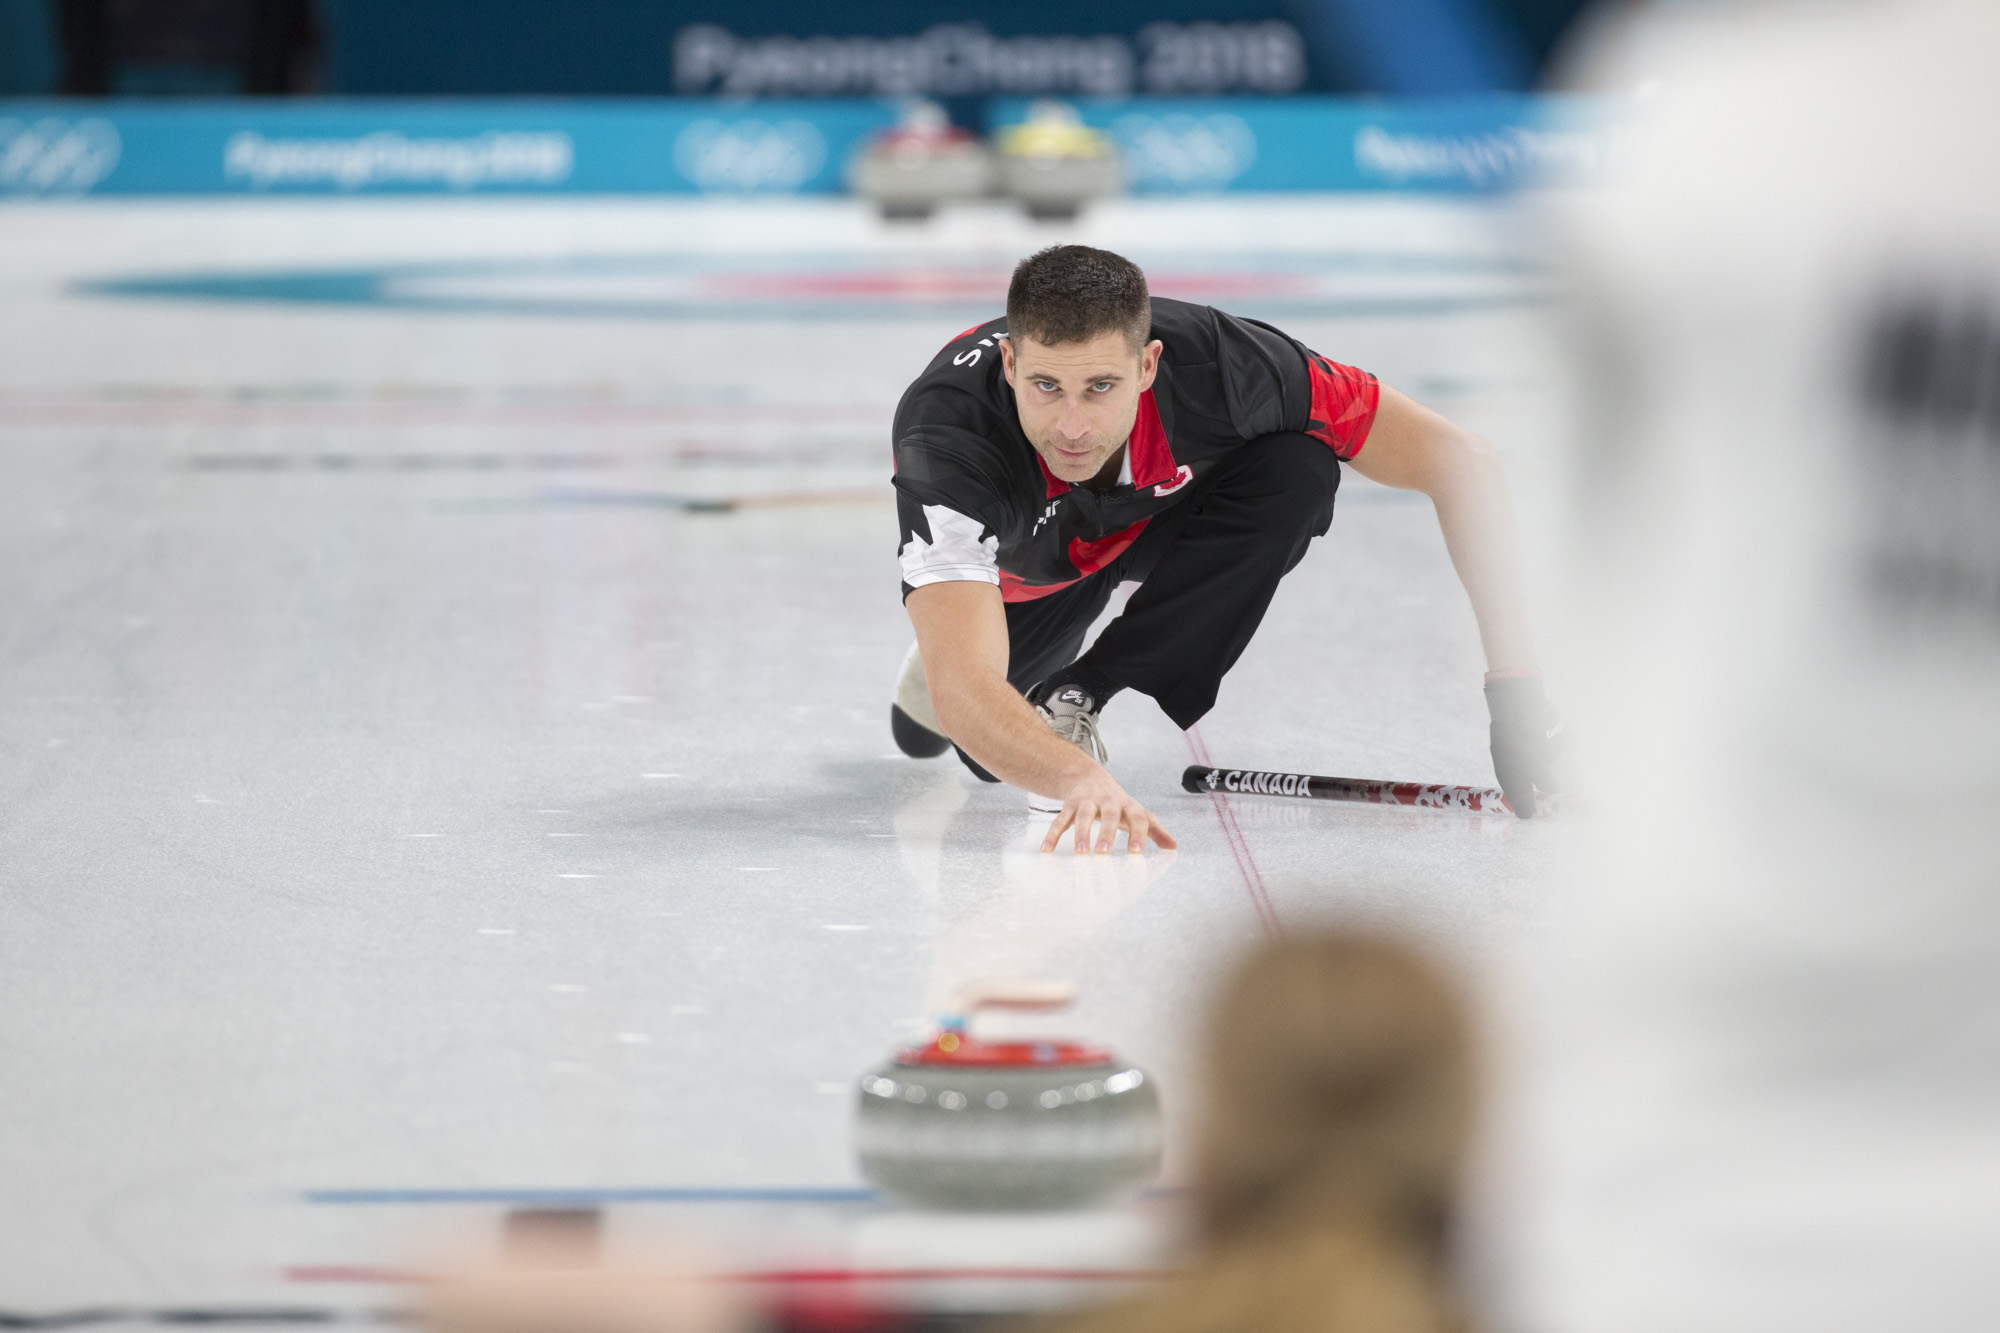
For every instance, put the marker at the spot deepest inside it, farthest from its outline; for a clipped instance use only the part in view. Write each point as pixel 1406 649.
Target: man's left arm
pixel 1411 447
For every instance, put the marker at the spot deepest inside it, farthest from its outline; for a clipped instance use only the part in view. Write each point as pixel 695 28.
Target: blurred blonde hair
pixel 1340 1094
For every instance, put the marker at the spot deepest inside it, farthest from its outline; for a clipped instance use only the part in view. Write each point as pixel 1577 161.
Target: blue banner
pixel 393 147
pixel 687 146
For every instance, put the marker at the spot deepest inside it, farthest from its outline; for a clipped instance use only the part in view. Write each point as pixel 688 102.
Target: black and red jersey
pixel 976 501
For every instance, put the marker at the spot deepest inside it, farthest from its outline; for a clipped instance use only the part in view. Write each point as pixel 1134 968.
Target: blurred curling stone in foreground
pixel 965 1123
pixel 924 161
pixel 1054 164
pixel 1761 1074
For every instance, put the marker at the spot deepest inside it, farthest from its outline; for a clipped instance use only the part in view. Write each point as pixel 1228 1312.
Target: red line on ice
pixel 1239 846
pixel 359 1273
pixel 167 411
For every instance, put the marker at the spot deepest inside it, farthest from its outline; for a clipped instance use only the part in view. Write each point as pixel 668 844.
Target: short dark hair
pixel 1072 293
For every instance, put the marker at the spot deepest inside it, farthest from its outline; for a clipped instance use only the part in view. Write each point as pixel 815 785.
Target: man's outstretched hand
pixel 1527 737
pixel 1097 799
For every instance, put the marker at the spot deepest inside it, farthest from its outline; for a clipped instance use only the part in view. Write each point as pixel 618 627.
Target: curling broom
pixel 1426 795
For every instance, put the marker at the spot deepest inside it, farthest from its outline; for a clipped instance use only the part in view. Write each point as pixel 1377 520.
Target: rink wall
pixel 696 146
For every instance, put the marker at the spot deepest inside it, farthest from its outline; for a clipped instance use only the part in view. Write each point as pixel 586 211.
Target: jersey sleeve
pixel 941 545
pixel 1271 382
pixel 1343 407
pixel 950 512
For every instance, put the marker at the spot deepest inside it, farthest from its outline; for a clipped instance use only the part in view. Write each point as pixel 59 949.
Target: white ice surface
pixel 394 796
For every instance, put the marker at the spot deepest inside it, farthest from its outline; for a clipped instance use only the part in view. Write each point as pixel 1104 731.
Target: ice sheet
pixel 404 793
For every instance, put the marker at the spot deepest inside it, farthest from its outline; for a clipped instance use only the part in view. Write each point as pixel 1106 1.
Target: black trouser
pixel 1208 568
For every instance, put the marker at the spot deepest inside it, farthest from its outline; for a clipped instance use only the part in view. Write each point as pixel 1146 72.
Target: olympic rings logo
pixel 750 156
pixel 56 156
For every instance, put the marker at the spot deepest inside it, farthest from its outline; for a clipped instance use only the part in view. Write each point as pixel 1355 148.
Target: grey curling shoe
pixel 1072 715
pixel 965 1124
pixel 911 719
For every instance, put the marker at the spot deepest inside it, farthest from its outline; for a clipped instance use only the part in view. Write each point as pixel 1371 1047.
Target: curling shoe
pixel 1071 713
pixel 912 721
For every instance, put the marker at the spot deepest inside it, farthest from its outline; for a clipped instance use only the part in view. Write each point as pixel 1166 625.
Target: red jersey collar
pixel 1152 461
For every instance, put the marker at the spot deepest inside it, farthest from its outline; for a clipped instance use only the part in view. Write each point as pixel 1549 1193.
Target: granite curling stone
pixel 962 1123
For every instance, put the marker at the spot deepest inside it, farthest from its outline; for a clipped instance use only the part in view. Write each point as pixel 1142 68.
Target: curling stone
pixel 924 161
pixel 963 1123
pixel 1054 164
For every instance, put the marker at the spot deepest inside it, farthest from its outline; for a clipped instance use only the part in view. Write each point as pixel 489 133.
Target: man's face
pixel 1078 400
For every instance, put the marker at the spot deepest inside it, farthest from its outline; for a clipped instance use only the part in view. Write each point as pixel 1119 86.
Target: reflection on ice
pixel 1042 905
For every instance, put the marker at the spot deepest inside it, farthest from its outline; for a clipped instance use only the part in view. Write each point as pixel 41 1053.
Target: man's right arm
pixel 962 633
